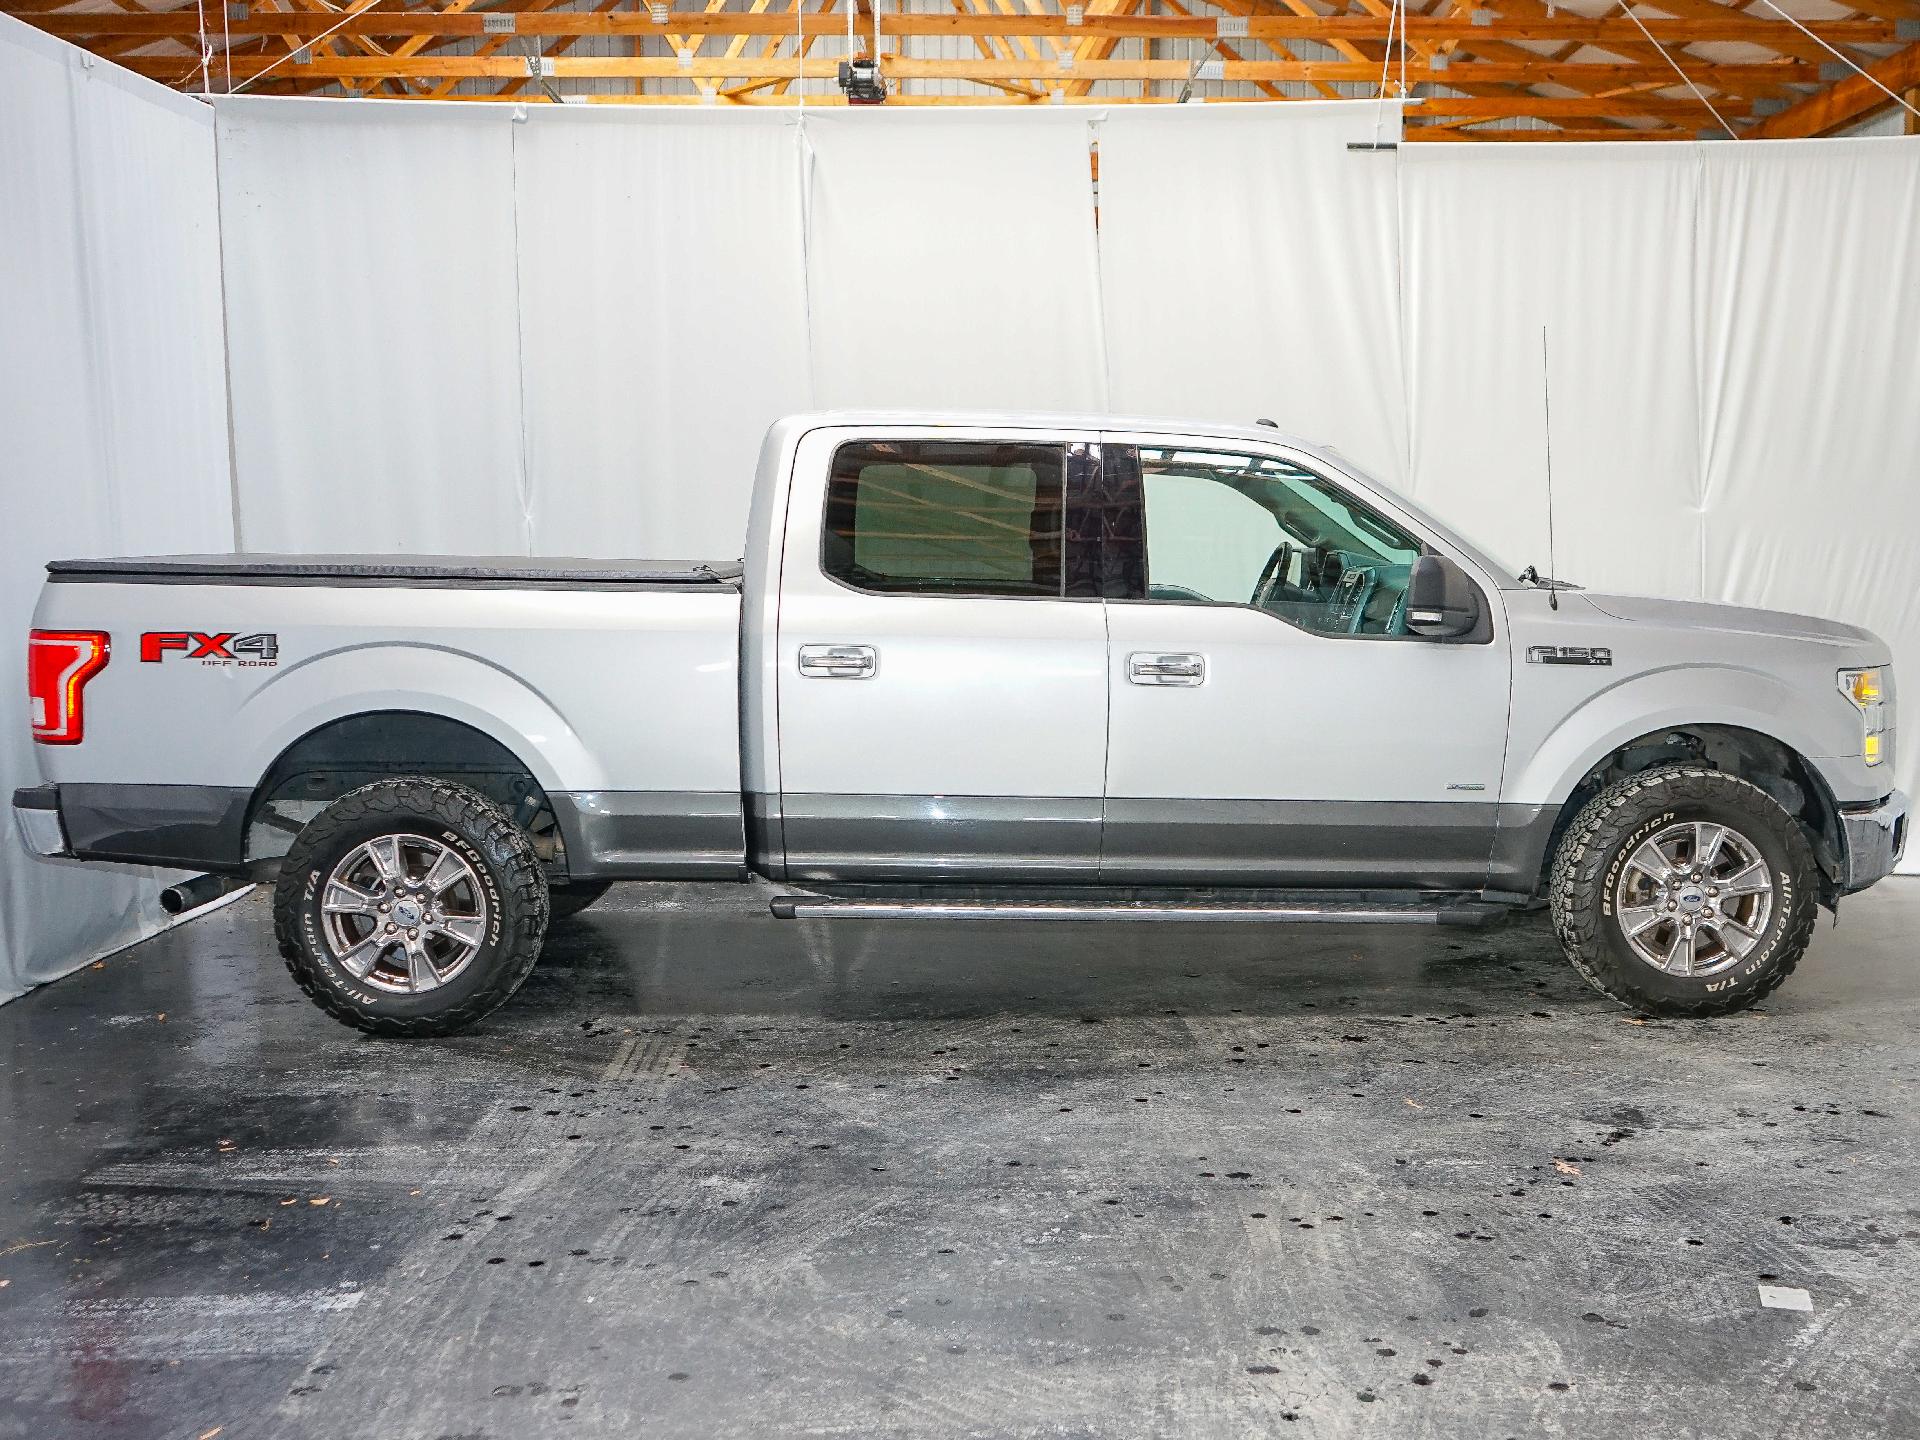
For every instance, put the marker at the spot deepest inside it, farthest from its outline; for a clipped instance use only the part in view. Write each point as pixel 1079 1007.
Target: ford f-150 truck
pixel 972 666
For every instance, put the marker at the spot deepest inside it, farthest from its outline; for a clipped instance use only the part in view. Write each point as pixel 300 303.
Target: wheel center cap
pixel 1692 899
pixel 407 913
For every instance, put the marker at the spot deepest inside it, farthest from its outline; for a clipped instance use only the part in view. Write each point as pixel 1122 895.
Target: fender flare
pixel 432 680
pixel 1650 702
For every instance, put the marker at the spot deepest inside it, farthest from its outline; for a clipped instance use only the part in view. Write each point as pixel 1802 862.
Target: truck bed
pixel 515 571
pixel 612 684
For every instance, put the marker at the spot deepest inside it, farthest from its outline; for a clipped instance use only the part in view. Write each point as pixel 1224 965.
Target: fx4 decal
pixel 227 647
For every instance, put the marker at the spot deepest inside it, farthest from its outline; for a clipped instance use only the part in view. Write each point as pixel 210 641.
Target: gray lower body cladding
pixel 191 827
pixel 651 834
pixel 1519 860
pixel 928 837
pixel 610 835
pixel 1304 843
pixel 1309 843
pixel 620 835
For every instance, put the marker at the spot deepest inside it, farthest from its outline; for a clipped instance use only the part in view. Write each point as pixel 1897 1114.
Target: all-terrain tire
pixel 570 899
pixel 1614 824
pixel 477 831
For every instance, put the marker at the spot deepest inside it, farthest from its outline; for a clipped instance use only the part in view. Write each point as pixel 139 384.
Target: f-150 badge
pixel 1569 655
pixel 224 648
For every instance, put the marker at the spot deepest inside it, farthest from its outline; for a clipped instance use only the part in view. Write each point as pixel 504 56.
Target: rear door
pixel 1272 720
pixel 942 661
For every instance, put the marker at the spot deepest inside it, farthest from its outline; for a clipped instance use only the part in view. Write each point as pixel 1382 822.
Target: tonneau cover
pixel 503 570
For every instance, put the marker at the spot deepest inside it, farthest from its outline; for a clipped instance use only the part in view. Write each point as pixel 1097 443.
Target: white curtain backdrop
pixel 1593 243
pixel 1249 268
pixel 112 402
pixel 951 260
pixel 372 325
pixel 1810 386
pixel 663 320
pixel 552 330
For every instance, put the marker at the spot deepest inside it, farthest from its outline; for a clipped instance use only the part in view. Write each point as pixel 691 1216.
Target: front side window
pixel 1251 530
pixel 946 517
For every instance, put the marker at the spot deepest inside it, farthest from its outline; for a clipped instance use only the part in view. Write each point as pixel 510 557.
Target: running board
pixel 828 907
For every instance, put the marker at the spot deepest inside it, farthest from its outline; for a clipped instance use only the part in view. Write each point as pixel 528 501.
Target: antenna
pixel 1546 409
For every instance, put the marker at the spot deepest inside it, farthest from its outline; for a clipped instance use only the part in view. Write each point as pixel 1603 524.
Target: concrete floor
pixel 713 1175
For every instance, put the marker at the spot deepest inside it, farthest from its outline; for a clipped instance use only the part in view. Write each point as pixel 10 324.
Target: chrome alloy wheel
pixel 1695 898
pixel 404 914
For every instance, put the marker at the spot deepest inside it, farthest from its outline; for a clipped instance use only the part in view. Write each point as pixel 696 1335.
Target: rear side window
pixel 946 517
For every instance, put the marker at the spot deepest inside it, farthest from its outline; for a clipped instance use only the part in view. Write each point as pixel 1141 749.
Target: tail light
pixel 59 664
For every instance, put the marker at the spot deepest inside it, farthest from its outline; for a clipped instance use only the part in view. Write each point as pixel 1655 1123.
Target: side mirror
pixel 1442 603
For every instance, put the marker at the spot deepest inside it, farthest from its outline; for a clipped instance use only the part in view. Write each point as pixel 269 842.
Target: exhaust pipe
pixel 200 890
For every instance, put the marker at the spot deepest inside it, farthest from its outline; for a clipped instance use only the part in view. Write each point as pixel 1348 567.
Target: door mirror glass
pixel 1442 603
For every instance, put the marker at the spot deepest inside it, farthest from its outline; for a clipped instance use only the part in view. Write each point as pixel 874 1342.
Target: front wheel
pixel 1684 891
pixel 410 907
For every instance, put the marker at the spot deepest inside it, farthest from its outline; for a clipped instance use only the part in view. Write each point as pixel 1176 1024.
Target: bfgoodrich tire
pixel 1684 891
pixel 410 907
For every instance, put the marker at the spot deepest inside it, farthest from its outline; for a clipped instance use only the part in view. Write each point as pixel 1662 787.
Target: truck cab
pixel 1069 653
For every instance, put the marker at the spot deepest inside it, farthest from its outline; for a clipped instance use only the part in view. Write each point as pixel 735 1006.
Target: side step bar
pixel 827 907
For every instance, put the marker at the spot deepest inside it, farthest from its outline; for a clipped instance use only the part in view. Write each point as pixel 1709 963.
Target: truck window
pixel 1251 530
pixel 946 517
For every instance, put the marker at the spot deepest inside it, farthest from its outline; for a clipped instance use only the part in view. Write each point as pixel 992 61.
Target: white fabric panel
pixel 1594 243
pixel 664 321
pixel 1249 268
pixel 112 399
pixel 372 326
pixel 951 260
pixel 1810 343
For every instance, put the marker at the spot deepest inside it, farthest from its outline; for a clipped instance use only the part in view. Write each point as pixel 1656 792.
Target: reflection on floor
pixel 715 1175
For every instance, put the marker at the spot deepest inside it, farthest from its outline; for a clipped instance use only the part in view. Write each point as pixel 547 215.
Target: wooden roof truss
pixel 1505 70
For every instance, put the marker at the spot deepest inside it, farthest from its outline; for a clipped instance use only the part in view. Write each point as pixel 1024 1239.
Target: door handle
pixel 1154 668
pixel 839 662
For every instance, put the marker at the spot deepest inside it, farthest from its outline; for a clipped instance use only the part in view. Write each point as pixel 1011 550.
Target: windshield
pixel 1308 508
pixel 1499 566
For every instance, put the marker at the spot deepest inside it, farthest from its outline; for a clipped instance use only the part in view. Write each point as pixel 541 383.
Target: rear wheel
pixel 1684 891
pixel 410 907
pixel 575 896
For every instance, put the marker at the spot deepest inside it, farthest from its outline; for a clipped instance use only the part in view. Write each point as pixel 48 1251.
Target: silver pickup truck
pixel 972 666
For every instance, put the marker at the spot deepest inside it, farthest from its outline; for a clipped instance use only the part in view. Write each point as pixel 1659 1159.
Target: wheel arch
pixel 348 751
pixel 411 678
pixel 1778 769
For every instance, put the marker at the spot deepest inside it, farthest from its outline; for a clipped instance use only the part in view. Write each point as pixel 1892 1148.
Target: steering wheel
pixel 1272 575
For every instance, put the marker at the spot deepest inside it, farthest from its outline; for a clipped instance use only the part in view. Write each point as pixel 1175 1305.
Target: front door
pixel 942 701
pixel 1272 720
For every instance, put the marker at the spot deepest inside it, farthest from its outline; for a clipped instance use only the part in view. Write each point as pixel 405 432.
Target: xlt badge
pixel 1569 655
